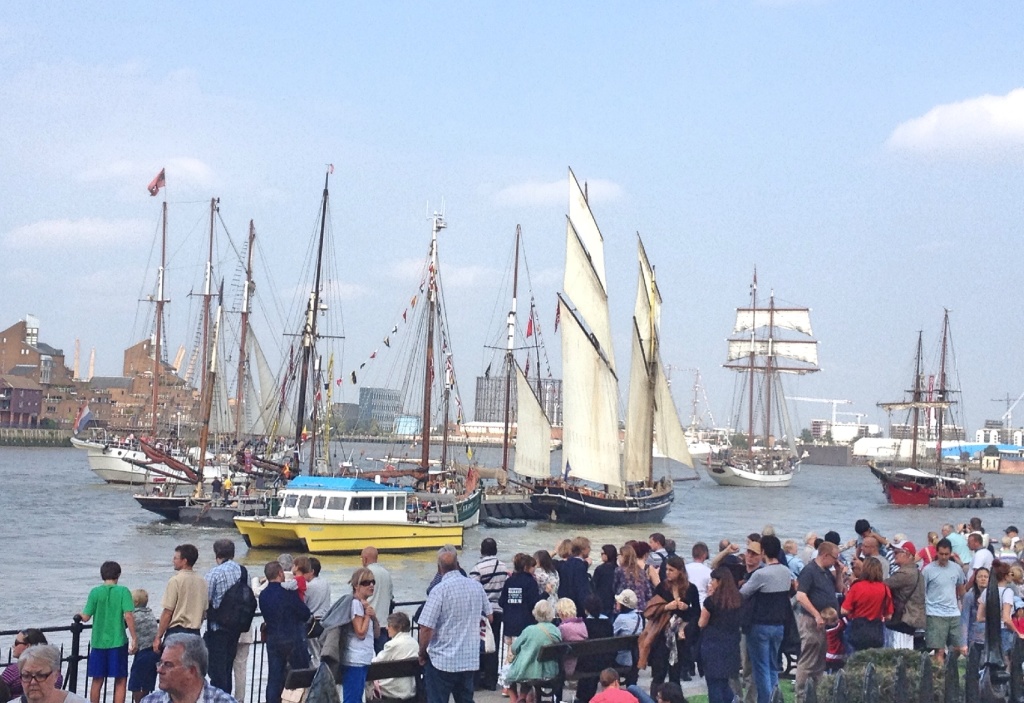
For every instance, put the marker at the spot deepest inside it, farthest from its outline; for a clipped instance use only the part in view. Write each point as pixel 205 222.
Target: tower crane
pixel 832 402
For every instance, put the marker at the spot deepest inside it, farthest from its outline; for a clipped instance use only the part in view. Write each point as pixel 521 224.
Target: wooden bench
pixel 303 678
pixel 592 656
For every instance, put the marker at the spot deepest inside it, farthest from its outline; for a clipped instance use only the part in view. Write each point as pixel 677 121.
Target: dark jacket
pixel 284 613
pixel 574 582
pixel 518 596
pixel 603 582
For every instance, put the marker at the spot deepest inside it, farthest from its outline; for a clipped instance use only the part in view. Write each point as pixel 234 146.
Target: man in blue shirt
pixel 450 633
pixel 221 642
pixel 944 586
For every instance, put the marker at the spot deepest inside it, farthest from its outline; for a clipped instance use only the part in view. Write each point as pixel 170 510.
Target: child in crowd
pixel 111 605
pixel 1018 614
pixel 835 657
pixel 142 678
pixel 629 621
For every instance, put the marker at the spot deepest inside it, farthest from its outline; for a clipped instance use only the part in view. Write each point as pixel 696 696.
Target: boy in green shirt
pixel 112 607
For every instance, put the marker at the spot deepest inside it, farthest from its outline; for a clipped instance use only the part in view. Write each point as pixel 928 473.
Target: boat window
pixel 304 502
pixel 336 504
pixel 392 503
pixel 359 503
pixel 319 502
pixel 378 503
pixel 290 501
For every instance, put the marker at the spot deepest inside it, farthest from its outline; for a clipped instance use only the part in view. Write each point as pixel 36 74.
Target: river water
pixel 61 522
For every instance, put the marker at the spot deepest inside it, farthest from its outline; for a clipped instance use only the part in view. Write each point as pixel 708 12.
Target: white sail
pixel 252 418
pixel 796 319
pixel 590 437
pixel 283 424
pixel 587 292
pixel 806 352
pixel 668 430
pixel 640 408
pixel 639 415
pixel 533 432
pixel 583 219
pixel 221 418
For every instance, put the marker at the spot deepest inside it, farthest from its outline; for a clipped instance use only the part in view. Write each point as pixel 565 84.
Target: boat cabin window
pixel 378 503
pixel 319 502
pixel 361 503
pixel 336 504
pixel 290 501
pixel 304 502
pixel 393 503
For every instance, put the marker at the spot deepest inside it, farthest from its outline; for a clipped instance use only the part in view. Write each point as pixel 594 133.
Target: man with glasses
pixel 285 616
pixel 819 582
pixel 182 668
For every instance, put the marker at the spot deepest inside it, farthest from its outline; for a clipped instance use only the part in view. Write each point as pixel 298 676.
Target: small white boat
pixel 753 474
pixel 115 461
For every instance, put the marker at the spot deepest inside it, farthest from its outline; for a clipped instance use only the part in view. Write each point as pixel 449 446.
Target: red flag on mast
pixel 529 326
pixel 157 183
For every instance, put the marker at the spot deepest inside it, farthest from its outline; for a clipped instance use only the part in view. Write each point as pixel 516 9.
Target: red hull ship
pixel 943 487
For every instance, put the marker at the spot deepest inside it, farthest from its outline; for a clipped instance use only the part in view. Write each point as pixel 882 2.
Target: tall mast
pixel 159 317
pixel 917 402
pixel 242 359
pixel 652 365
pixel 753 347
pixel 768 443
pixel 428 372
pixel 940 411
pixel 209 383
pixel 510 360
pixel 309 329
pixel 208 290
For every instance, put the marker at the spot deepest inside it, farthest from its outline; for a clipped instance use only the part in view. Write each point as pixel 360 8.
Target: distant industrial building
pixel 842 432
pixel 926 432
pixel 489 404
pixel 378 407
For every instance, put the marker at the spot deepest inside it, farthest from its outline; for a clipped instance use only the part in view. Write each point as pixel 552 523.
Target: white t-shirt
pixel 699 574
pixel 1005 598
pixel 982 559
pixel 360 650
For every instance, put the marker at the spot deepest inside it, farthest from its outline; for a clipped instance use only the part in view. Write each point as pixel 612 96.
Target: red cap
pixel 906 545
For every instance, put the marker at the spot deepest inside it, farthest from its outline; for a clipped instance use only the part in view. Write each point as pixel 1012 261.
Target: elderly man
pixel 182 669
pixel 958 543
pixel 907 586
pixel 871 548
pixel 819 582
pixel 383 593
pixel 450 633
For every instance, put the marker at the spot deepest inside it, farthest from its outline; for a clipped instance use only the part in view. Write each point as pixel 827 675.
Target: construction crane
pixel 1007 417
pixel 832 402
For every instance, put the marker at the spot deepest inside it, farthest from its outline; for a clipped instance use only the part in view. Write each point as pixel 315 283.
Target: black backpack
pixel 237 607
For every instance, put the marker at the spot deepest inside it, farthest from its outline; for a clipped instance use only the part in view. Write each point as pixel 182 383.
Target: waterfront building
pixel 489 405
pixel 20 402
pixel 378 408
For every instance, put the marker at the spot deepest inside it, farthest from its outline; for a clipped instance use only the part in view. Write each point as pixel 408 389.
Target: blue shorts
pixel 109 663
pixel 143 676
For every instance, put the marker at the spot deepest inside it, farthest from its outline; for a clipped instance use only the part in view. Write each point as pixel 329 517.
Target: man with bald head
pixel 450 632
pixel 383 592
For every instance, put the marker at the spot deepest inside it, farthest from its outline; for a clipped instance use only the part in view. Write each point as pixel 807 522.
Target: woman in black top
pixel 720 634
pixel 603 579
pixel 668 617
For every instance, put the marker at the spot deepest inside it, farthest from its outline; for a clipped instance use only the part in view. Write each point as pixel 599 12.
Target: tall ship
pixel 327 513
pixel 767 343
pixel 910 479
pixel 604 480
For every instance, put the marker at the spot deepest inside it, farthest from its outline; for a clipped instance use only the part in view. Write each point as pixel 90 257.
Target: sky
pixel 865 157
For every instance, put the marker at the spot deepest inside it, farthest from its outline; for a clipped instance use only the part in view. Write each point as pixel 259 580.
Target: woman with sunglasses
pixel 38 670
pixel 22 641
pixel 365 629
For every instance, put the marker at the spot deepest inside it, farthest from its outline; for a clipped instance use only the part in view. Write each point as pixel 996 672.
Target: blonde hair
pixel 789 544
pixel 542 611
pixel 829 615
pixel 1017 573
pixel 566 608
pixel 140 597
pixel 564 549
pixel 358 575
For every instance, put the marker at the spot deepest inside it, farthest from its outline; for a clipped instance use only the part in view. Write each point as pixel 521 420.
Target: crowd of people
pixel 725 616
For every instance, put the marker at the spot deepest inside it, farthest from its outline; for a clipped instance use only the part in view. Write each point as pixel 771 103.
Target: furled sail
pixel 796 319
pixel 803 351
pixel 590 438
pixel 533 432
pixel 584 287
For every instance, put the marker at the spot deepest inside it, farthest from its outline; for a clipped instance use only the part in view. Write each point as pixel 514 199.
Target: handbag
pixel 868 634
pixel 487 635
pixel 314 628
pixel 899 608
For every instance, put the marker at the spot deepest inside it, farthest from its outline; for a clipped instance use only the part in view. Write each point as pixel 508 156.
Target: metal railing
pixel 74 651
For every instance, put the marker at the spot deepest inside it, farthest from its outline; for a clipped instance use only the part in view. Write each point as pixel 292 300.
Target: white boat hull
pixel 726 475
pixel 109 463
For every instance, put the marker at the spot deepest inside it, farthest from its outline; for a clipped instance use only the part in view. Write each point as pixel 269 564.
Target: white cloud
pixel 985 124
pixel 84 232
pixel 533 193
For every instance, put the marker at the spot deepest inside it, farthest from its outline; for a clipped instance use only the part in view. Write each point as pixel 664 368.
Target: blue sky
pixel 866 157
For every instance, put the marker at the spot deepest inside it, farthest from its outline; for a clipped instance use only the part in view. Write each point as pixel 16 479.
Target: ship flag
pixel 157 183
pixel 83 418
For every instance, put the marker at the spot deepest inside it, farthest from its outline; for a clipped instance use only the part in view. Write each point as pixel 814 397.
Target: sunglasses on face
pixel 369 582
